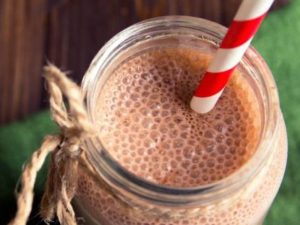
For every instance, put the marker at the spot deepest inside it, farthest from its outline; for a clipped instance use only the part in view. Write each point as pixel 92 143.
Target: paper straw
pixel 236 41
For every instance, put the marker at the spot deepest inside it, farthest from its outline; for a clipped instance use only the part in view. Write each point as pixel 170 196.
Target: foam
pixel 146 124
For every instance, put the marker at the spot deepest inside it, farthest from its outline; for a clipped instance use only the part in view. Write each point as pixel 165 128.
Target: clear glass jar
pixel 116 197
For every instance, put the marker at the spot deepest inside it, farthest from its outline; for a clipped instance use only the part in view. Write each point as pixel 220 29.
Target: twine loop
pixel 61 183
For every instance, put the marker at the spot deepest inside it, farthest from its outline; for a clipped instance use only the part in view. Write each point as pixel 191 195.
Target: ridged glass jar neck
pixel 261 81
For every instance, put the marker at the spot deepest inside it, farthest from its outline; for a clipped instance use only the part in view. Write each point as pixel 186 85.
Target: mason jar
pixel 114 196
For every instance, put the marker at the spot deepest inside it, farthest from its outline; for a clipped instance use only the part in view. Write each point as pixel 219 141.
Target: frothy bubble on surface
pixel 146 124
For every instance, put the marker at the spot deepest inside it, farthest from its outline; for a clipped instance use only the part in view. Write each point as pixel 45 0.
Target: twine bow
pixel 65 148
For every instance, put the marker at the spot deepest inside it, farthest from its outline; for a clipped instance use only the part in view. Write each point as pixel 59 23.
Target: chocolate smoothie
pixel 147 126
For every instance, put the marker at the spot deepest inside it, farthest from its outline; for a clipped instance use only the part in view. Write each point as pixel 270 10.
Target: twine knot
pixel 66 150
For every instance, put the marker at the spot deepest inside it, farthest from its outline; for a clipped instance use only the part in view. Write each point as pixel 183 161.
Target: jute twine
pixel 65 149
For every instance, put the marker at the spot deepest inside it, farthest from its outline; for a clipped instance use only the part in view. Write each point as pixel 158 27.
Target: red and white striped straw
pixel 236 41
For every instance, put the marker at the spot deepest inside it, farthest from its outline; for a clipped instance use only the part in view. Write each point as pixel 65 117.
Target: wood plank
pixel 22 47
pixel 6 56
pixel 78 30
pixel 229 8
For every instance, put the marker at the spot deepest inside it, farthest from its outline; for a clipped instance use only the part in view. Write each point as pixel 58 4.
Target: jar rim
pixel 123 179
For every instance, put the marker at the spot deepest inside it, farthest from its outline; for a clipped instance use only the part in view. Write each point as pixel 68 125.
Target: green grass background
pixel 278 41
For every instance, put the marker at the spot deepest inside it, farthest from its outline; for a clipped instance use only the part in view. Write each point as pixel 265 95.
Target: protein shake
pixel 146 125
